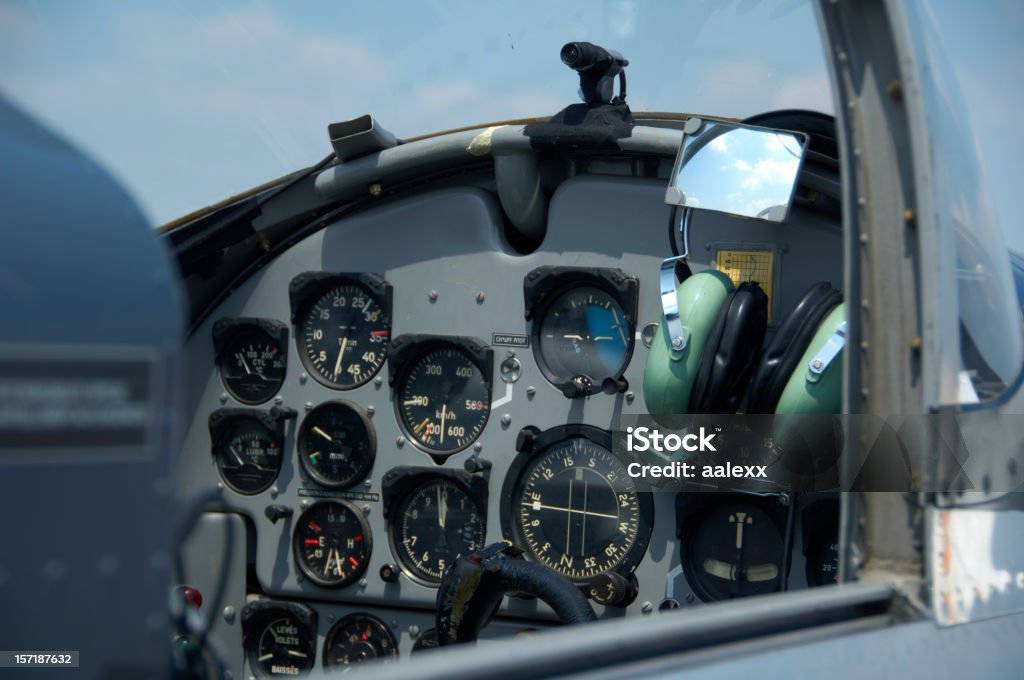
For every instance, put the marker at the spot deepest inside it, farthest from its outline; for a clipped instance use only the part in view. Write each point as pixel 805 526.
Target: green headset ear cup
pixel 669 374
pixel 826 395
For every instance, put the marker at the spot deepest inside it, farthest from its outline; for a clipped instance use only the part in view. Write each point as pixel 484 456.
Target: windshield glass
pixel 190 102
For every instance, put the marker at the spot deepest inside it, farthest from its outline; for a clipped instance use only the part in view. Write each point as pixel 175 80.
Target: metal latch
pixel 827 354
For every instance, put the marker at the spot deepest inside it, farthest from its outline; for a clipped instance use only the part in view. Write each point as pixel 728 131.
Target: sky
pixel 189 101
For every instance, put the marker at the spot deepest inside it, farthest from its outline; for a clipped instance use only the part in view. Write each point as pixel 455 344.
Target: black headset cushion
pixel 791 340
pixel 730 354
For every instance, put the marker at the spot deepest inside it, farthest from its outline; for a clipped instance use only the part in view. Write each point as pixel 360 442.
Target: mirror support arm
pixel 668 285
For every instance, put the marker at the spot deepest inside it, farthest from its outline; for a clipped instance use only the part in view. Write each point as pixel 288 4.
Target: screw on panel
pixel 303 378
pixel 647 607
pixel 367 483
pixel 506 420
pixel 677 343
pixel 370 409
pixel 366 509
pixel 817 363
pixel 432 295
pixel 228 613
pixel 274 491
pixel 375 189
pixel 279 399
pixel 309 406
pixel 399 441
pixel 630 397
pixel 362 583
pixel 480 297
pixel 330 618
pixel 414 631
pixel 220 486
pixel 378 381
pixel 304 503
pixel 895 90
pixel 223 397
pixel 478 447
pixel 530 391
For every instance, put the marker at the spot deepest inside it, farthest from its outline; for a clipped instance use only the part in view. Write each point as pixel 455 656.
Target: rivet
pixel 228 613
pixel 303 378
pixel 432 295
pixel 309 406
pixel 274 491
pixel 480 297
pixel 370 409
pixel 478 447
pixel 278 399
pixel 530 391
pixel 506 420
pixel 375 189
pixel 378 381
pixel 399 441
pixel 223 397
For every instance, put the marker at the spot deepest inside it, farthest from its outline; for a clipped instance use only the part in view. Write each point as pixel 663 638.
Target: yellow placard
pixel 749 265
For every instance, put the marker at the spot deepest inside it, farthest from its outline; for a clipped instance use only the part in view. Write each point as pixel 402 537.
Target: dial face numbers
pixel 584 332
pixel 823 562
pixel 332 543
pixel 252 365
pixel 283 648
pixel 438 521
pixel 576 509
pixel 734 550
pixel 248 456
pixel 443 401
pixel 357 638
pixel 343 337
pixel 337 444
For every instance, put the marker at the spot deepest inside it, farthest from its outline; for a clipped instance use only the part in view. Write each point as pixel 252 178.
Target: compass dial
pixel 577 510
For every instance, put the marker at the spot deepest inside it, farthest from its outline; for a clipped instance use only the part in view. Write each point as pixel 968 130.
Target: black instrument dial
pixel 337 444
pixel 438 521
pixel 734 549
pixel 584 332
pixel 577 510
pixel 343 336
pixel 283 647
pixel 332 543
pixel 251 357
pixel 357 638
pixel 443 400
pixel 248 455
pixel 823 562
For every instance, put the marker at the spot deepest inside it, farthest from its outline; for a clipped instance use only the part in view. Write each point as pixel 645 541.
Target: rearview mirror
pixel 736 169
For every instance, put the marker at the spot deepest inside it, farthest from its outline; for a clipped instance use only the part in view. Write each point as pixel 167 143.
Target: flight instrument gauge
pixel 279 638
pixel 357 638
pixel 583 326
pixel 251 357
pixel 343 324
pixel 734 547
pixel 442 390
pixel 437 518
pixel 337 444
pixel 247 447
pixel 332 543
pixel 571 504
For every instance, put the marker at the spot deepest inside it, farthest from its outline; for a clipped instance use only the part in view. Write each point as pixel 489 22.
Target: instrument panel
pixel 401 388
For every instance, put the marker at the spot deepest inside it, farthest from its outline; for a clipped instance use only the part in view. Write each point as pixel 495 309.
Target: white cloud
pixel 719 144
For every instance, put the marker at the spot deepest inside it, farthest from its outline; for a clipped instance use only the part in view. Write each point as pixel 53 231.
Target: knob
pixel 276 512
pixel 613 590
pixel 579 386
pixel 389 573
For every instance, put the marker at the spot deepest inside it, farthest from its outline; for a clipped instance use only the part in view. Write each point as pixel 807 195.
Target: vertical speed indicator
pixel 442 396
